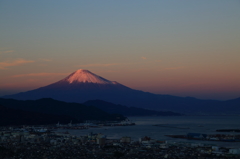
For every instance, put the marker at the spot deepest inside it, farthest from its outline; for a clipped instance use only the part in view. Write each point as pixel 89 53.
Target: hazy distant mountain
pixel 51 106
pixel 13 117
pixel 127 111
pixel 83 85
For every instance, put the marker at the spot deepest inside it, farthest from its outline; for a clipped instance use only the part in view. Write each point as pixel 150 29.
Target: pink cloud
pixel 40 74
pixel 4 65
pixel 7 51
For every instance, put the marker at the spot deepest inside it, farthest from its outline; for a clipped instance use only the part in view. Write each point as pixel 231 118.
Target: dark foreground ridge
pixel 9 116
pixel 54 107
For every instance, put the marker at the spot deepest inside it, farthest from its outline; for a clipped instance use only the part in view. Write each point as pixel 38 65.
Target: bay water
pixel 171 125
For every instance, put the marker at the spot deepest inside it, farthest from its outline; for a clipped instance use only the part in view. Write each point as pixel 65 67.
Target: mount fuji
pixel 80 86
pixel 83 85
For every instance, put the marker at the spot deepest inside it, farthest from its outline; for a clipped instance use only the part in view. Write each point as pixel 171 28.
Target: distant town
pixel 28 142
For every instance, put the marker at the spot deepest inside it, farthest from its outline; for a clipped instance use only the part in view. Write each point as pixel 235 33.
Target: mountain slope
pixel 80 86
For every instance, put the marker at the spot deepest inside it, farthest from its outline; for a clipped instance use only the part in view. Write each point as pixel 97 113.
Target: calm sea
pixel 174 125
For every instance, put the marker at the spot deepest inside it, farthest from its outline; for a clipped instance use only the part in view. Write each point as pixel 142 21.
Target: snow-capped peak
pixel 85 76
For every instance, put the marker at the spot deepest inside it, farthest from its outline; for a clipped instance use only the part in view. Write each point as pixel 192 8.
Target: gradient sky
pixel 177 47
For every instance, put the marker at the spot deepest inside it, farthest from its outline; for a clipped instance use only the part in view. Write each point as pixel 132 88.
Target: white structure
pixel 101 141
pixel 163 146
pixel 234 151
pixel 215 148
pixel 125 139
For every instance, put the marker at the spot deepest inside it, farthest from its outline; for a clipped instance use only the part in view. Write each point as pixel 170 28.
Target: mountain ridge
pixel 83 85
pixel 55 107
pixel 13 117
